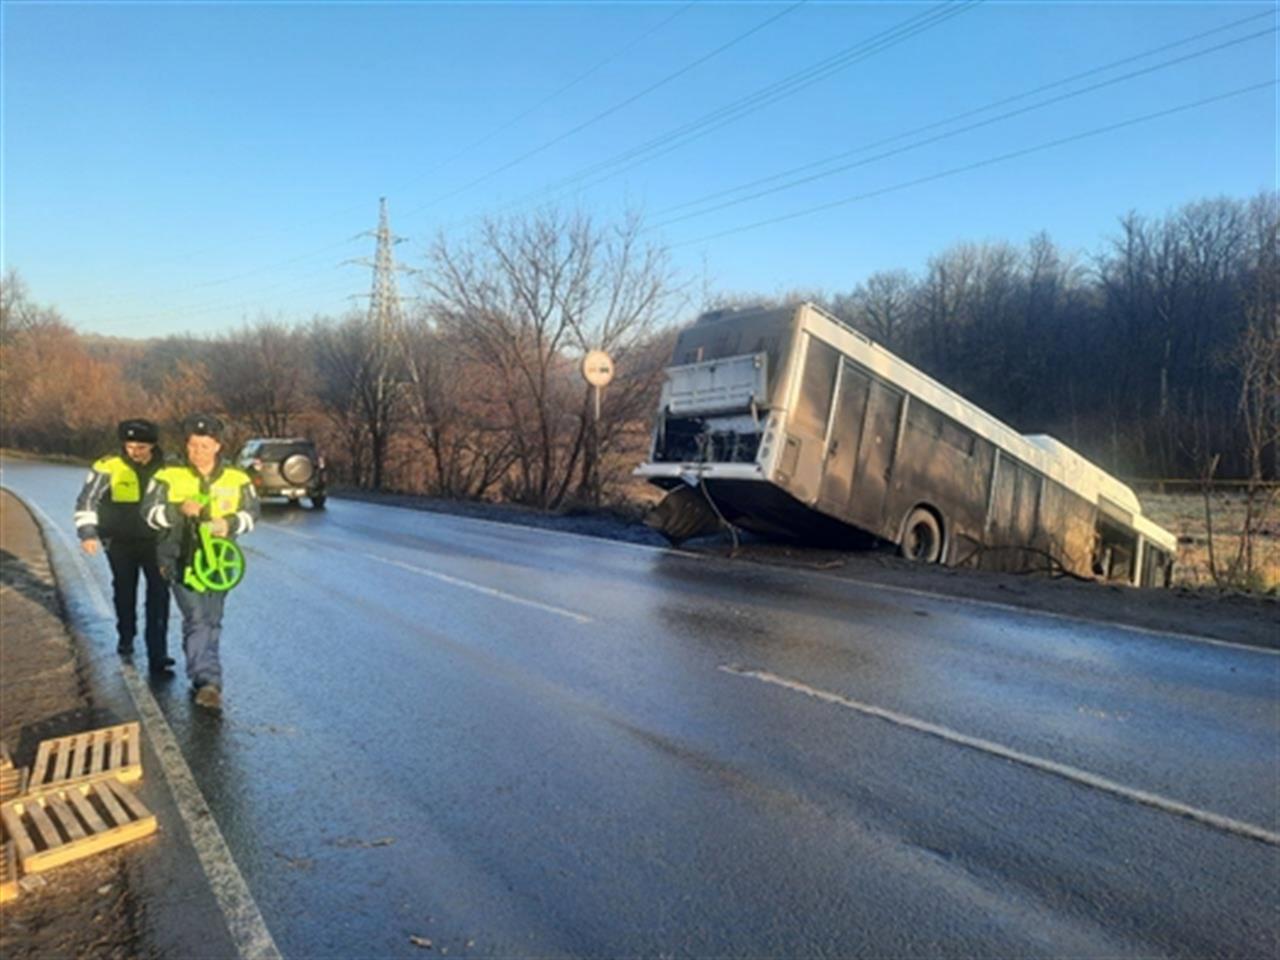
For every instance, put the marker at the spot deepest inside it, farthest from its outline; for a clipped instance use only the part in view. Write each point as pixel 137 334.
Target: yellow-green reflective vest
pixel 224 490
pixel 124 479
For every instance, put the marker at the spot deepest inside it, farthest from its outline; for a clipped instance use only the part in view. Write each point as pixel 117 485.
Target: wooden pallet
pixel 13 782
pixel 76 821
pixel 8 871
pixel 108 752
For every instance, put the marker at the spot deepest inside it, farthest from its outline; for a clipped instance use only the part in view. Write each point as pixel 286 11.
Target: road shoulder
pixel 87 907
pixel 148 898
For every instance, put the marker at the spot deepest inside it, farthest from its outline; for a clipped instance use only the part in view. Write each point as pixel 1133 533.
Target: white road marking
pixel 456 581
pixel 245 923
pixel 481 588
pixel 870 584
pixel 1226 824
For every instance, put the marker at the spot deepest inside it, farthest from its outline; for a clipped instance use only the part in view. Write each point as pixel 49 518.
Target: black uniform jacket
pixel 109 506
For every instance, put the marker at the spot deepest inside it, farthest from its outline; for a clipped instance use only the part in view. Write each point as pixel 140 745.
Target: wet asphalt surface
pixel 511 742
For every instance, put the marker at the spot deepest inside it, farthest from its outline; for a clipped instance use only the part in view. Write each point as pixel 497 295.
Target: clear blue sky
pixel 176 167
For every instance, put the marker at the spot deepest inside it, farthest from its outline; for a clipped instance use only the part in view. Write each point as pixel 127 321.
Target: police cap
pixel 137 431
pixel 202 425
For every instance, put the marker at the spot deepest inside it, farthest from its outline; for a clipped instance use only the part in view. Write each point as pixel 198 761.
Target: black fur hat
pixel 202 425
pixel 137 431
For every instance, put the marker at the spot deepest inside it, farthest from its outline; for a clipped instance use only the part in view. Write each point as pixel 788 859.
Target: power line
pixel 800 181
pixel 765 96
pixel 785 87
pixel 990 161
pixel 564 89
pixel 440 165
pixel 611 110
pixel 964 115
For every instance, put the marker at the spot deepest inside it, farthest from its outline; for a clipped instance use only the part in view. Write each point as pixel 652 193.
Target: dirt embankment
pixel 1233 617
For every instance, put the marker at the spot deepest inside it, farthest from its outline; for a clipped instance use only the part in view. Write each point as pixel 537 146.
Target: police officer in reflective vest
pixel 109 511
pixel 201 490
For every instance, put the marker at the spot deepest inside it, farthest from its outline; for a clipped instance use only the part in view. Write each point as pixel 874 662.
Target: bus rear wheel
pixel 922 537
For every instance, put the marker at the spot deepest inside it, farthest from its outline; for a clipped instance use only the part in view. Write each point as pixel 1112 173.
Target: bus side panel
pixel 1017 537
pixel 1067 523
pixel 946 467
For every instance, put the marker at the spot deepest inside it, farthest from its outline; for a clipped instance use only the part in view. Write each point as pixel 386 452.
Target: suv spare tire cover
pixel 296 468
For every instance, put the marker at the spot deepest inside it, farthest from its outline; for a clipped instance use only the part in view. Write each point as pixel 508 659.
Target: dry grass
pixel 1182 514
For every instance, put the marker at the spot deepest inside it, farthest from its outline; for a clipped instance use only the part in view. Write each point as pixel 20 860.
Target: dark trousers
pixel 129 559
pixel 201 633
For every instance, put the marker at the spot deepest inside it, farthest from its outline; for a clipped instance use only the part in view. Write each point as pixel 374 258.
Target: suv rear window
pixel 278 450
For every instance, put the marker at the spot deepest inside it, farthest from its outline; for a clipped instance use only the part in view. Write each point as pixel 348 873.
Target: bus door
pixel 1015 504
pixel 843 438
pixel 875 459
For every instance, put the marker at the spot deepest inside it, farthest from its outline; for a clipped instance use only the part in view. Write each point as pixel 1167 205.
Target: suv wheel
pixel 317 502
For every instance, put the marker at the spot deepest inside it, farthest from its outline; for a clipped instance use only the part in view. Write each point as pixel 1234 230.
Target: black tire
pixel 294 503
pixel 317 502
pixel 922 537
pixel 297 468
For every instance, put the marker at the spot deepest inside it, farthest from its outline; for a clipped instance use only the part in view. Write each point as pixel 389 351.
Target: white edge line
pixel 480 588
pixel 1067 772
pixel 913 591
pixel 244 920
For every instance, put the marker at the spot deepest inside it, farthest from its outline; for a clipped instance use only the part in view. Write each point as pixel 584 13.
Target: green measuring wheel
pixel 218 565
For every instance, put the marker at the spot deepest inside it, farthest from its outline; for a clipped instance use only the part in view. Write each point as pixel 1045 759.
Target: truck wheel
pixel 922 537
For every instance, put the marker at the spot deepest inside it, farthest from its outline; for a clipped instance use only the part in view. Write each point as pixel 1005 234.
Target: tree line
pixel 1150 356
pixel 1156 355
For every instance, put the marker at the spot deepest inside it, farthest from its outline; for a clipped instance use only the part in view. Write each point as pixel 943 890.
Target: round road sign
pixel 597 368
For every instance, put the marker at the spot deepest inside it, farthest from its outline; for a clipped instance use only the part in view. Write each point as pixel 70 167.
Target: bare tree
pixel 881 306
pixel 452 407
pixel 357 391
pixel 56 395
pixel 184 390
pixel 260 376
pixel 524 298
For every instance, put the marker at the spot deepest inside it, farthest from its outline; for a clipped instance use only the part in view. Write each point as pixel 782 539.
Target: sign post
pixel 597 370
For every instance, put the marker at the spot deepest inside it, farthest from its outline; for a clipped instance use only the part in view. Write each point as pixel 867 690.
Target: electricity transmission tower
pixel 377 386
pixel 384 298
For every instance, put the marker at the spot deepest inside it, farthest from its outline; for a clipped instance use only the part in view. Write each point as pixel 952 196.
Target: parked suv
pixel 285 467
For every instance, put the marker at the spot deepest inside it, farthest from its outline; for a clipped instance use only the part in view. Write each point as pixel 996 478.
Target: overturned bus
pixel 789 423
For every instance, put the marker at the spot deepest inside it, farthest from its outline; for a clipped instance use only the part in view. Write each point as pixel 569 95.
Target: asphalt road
pixel 510 742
